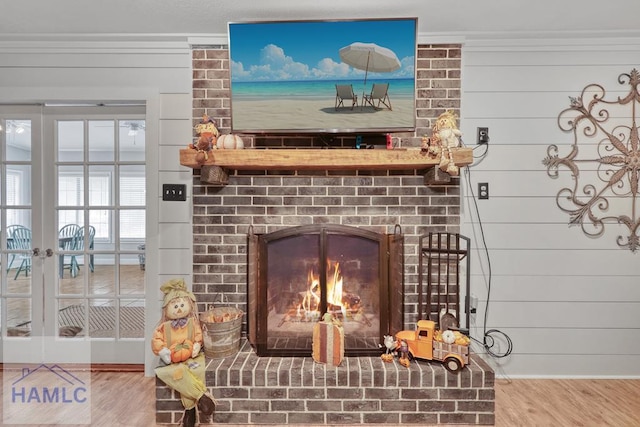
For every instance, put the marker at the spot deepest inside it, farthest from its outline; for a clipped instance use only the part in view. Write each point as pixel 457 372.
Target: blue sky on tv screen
pixel 309 50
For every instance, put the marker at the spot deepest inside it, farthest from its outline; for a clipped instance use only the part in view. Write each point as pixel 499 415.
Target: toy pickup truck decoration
pixel 425 342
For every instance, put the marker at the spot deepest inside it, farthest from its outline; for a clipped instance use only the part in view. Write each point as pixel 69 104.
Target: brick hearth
pixel 362 390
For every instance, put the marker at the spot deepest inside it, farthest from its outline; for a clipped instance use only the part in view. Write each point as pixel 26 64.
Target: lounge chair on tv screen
pixel 379 93
pixel 345 93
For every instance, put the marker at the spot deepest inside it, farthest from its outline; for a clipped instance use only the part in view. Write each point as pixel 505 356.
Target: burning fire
pixel 344 305
pixel 337 299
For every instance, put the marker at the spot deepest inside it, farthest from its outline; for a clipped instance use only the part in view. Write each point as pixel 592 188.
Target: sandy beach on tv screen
pixel 320 114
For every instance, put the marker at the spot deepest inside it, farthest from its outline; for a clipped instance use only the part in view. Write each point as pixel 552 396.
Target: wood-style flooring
pixel 128 399
pixel 101 287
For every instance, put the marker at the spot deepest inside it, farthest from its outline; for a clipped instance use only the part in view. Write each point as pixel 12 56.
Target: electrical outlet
pixel 473 303
pixel 174 192
pixel 483 135
pixel 483 190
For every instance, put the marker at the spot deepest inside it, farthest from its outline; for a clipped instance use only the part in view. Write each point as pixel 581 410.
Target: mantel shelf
pixel 322 159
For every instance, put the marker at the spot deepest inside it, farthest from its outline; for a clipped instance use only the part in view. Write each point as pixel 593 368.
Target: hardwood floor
pixel 585 403
pixel 128 399
pixel 102 286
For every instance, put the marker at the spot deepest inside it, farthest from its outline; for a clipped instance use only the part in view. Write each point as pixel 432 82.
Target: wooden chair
pixel 78 245
pixel 66 241
pixel 10 230
pixel 21 240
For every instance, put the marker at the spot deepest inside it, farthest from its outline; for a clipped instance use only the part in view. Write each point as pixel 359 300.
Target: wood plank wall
pixel 569 303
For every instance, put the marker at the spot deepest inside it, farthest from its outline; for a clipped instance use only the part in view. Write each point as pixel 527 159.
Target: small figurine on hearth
pixel 404 359
pixel 390 344
pixel 178 341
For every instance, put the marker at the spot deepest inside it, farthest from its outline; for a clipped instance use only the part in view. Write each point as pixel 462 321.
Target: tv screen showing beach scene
pixel 341 76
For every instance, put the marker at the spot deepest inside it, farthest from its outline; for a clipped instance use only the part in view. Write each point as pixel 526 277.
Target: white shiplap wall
pixel 156 71
pixel 569 303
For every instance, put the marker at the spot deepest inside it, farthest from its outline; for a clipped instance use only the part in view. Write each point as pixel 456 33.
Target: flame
pixel 334 288
pixel 307 309
pixel 311 300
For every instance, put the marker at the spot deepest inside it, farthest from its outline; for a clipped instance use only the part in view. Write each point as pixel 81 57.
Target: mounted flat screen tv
pixel 344 76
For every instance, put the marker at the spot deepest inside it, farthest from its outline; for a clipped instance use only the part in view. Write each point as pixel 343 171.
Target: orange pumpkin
pixel 181 351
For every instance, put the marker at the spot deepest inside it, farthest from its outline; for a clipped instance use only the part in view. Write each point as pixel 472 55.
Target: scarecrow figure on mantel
pixel 445 136
pixel 207 137
pixel 178 341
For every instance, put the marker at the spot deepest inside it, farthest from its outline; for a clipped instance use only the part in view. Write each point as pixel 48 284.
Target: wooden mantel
pixel 322 159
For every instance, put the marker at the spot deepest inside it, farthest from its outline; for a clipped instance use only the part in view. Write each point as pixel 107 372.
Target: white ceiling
pixel 41 18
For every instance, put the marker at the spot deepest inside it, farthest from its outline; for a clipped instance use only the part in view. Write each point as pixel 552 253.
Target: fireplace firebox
pixel 297 274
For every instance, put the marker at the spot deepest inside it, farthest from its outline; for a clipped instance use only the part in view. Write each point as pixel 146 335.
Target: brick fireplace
pixel 294 390
pixel 305 271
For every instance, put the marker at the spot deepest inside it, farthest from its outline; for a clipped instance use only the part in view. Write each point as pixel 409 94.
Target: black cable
pixel 488 340
pixel 486 150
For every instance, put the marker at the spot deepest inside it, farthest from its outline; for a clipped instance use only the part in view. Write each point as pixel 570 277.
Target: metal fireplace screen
pixel 298 274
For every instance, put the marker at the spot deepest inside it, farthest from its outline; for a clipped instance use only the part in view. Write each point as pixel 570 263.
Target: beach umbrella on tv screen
pixel 369 57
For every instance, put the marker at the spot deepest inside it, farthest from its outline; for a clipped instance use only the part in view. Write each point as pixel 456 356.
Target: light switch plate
pixel 174 192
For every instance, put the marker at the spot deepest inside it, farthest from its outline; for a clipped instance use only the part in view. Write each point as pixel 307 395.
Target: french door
pixel 72 220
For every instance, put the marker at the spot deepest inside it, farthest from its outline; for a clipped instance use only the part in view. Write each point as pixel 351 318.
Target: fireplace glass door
pixel 304 272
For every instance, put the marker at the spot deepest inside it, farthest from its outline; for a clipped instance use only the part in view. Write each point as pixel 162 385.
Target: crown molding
pixel 46 42
pixel 37 42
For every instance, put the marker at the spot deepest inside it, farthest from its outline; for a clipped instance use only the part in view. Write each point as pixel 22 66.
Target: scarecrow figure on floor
pixel 178 341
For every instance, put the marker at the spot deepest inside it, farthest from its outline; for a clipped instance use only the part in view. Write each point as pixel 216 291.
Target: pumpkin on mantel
pixel 229 142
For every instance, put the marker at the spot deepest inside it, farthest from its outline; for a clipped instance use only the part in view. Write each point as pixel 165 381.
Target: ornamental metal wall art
pixel 607 132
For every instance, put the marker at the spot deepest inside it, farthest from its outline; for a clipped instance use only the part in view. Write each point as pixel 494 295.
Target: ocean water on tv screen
pixel 316 89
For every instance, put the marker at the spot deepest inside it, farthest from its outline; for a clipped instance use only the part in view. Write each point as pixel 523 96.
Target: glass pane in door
pixel 101 140
pixel 132 141
pixel 18 140
pixel 70 141
pixel 18 315
pixel 102 278
pixel 16 223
